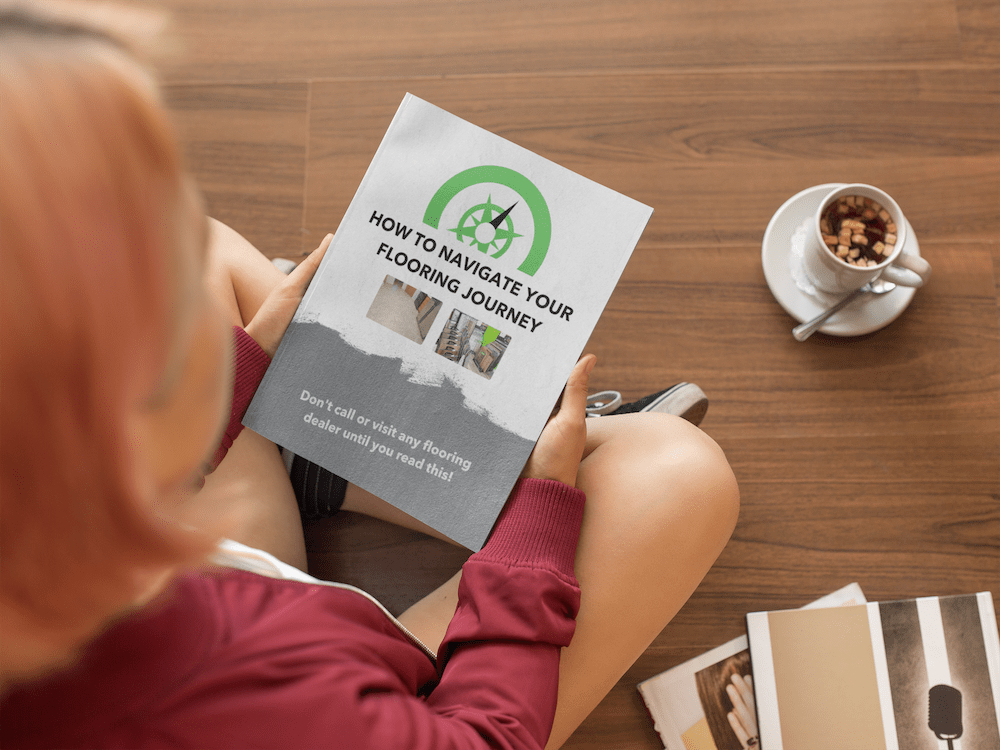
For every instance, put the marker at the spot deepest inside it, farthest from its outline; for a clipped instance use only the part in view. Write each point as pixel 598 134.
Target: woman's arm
pixel 517 604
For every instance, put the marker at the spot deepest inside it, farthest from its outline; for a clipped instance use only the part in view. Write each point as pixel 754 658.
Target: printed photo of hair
pixel 732 723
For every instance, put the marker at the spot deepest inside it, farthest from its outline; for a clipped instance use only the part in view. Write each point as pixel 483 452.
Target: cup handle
pixel 907 270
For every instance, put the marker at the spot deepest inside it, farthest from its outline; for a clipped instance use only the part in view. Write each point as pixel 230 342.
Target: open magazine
pixel 461 287
pixel 698 705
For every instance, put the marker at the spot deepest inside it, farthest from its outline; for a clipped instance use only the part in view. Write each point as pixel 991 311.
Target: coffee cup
pixel 858 234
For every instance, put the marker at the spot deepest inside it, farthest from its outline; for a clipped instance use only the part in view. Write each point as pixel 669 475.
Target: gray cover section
pixel 461 504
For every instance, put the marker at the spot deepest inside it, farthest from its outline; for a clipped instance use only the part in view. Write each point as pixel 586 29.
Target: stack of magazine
pixel 841 674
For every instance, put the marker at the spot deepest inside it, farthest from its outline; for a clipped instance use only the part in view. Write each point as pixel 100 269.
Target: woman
pixel 119 305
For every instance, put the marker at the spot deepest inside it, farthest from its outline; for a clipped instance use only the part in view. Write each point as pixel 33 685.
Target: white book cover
pixel 459 290
pixel 691 704
pixel 916 674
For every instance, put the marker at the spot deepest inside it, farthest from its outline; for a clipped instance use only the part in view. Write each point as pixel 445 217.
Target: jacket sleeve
pixel 499 662
pixel 249 365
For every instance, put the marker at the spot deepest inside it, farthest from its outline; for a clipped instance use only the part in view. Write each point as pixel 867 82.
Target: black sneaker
pixel 684 400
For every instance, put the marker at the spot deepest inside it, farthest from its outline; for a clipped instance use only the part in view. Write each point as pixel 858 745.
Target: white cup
pixel 835 275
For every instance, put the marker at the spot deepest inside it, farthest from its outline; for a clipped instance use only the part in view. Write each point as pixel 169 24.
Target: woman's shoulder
pixel 221 654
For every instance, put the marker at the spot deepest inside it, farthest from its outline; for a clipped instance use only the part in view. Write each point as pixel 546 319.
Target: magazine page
pixel 917 674
pixel 690 704
pixel 459 291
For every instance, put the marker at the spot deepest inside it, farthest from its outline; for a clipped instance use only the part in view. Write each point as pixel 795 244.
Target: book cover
pixel 691 704
pixel 460 288
pixel 917 674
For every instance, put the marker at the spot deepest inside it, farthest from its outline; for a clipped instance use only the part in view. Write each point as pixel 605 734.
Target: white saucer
pixel 870 313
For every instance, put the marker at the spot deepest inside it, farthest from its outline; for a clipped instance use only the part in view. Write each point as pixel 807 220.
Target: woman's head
pixel 108 345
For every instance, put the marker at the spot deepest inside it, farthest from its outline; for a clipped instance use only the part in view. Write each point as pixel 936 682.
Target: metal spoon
pixel 805 330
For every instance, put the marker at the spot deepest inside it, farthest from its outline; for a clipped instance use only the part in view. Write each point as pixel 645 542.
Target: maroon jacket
pixel 231 659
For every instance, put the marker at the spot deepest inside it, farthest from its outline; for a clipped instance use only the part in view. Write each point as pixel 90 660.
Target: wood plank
pixel 397 565
pixel 717 324
pixel 246 145
pixel 308 39
pixel 995 249
pixel 979 22
pixel 701 149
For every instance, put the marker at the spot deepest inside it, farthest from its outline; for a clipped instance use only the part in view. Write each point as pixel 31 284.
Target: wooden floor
pixel 873 459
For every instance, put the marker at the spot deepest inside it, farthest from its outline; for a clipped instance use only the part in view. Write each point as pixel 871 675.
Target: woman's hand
pixel 559 449
pixel 274 315
pixel 743 717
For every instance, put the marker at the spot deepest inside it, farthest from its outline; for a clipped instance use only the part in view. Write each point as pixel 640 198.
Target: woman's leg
pixel 250 488
pixel 661 505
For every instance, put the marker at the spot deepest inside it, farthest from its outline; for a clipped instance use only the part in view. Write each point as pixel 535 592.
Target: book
pixel 690 703
pixel 460 288
pixel 916 674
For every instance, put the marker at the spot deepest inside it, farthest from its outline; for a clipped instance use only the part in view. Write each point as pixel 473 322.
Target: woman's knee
pixel 715 485
pixel 668 471
pixel 700 472
pixel 238 274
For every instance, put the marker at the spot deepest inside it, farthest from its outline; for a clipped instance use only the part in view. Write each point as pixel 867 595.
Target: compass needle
pixel 501 217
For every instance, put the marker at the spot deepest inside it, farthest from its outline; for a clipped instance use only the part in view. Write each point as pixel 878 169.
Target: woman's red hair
pixel 93 271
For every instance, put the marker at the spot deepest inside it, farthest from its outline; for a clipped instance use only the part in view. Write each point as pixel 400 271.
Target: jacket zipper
pixel 431 654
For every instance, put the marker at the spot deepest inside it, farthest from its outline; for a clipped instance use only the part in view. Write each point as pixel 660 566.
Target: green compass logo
pixel 489 227
pixel 481 228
